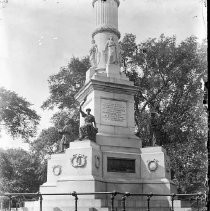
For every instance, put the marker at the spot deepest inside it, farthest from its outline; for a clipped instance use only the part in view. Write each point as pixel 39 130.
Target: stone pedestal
pixel 155 172
pixel 89 167
pixel 78 169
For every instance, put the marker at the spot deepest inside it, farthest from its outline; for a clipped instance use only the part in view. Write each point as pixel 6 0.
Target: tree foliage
pixel 16 116
pixel 171 87
pixel 63 87
pixel 66 83
pixel 48 141
pixel 20 171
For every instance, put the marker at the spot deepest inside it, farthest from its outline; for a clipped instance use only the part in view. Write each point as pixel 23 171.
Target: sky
pixel 37 37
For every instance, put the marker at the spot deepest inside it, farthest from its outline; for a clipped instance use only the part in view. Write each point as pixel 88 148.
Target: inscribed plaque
pixel 124 165
pixel 113 112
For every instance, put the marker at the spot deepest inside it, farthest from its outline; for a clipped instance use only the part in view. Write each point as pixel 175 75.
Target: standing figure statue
pixel 111 49
pixel 88 130
pixel 93 54
pixel 156 140
pixel 67 136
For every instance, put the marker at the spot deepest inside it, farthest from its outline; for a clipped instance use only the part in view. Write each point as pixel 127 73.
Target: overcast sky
pixel 37 37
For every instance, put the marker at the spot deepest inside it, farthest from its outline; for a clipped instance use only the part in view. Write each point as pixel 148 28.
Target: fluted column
pixel 106 13
pixel 106 22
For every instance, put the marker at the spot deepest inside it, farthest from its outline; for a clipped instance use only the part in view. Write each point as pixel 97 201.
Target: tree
pixel 171 87
pixel 59 118
pixel 48 141
pixel 20 171
pixel 16 116
pixel 64 85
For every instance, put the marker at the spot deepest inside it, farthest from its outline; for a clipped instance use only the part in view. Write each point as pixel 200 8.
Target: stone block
pixel 153 163
pixel 159 187
pixel 124 187
pixel 119 141
pixel 90 72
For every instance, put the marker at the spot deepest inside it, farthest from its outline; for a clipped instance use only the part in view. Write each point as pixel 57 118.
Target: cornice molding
pixel 106 87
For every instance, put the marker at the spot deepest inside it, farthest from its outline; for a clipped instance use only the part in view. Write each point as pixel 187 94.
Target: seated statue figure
pixel 67 136
pixel 88 131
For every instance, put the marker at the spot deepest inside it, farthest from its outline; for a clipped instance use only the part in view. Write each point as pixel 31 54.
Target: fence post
pixel 197 200
pixel 172 202
pixel 10 202
pixel 148 201
pixel 16 208
pixel 114 193
pixel 40 202
pixel 123 202
pixel 76 199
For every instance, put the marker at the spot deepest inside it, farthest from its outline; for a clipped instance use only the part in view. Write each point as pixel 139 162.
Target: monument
pixel 107 157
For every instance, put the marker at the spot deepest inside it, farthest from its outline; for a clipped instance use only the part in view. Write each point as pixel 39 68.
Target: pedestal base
pixel 85 167
pixel 89 167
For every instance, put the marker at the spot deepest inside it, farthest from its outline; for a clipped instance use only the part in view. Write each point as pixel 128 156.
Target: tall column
pixel 106 36
pixel 106 13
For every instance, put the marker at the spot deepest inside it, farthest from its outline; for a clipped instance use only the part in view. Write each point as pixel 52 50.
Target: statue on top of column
pixel 93 54
pixel 111 50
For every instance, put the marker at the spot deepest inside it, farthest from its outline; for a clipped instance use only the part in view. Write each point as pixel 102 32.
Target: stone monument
pixel 114 158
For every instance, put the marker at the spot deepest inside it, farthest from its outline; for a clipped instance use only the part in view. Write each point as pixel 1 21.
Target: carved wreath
pixel 97 161
pixel 57 170
pixel 152 165
pixel 78 160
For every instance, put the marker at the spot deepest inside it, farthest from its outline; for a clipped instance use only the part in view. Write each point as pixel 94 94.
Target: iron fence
pixel 198 201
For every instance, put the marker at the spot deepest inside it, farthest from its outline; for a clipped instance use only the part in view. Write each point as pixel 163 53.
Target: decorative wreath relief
pixel 97 161
pixel 152 164
pixel 78 160
pixel 57 170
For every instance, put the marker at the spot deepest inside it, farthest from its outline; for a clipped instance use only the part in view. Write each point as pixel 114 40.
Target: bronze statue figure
pixel 88 130
pixel 67 136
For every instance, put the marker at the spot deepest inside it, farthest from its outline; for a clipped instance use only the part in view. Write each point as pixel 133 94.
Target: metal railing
pixel 198 199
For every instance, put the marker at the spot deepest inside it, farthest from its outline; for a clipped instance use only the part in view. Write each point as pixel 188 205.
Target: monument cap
pixel 117 1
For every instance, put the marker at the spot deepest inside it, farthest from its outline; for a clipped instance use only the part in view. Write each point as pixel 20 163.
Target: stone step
pixel 117 203
pixel 153 203
pixel 71 203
